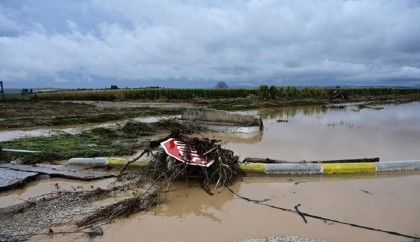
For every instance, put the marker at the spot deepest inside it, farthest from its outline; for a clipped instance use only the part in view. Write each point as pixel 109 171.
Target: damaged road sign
pixel 178 150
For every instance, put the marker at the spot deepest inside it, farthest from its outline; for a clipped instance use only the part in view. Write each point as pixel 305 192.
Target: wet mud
pixel 41 187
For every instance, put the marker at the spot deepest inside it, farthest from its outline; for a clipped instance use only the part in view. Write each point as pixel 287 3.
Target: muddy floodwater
pixel 189 214
pixel 390 132
pixel 383 201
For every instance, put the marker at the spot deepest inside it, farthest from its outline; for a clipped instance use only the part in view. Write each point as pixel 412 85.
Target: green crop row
pixel 93 95
pixel 263 92
pixel 186 94
pixel 147 94
pixel 372 91
pixel 291 92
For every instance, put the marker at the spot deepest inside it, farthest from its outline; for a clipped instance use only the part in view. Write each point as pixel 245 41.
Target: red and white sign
pixel 176 149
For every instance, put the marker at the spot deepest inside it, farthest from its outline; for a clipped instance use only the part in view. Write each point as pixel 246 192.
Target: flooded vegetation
pixel 118 140
pixel 25 114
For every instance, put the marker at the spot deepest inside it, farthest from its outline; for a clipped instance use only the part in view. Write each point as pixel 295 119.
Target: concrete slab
pixel 223 121
pixel 220 116
pixel 11 178
pixel 70 172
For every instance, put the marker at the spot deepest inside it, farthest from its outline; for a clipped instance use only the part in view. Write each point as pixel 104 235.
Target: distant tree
pixel 113 87
pixel 264 92
pixel 222 85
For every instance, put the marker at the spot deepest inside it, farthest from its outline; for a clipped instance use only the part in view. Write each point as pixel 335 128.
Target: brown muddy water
pixel 386 201
pixel 316 133
pixel 382 201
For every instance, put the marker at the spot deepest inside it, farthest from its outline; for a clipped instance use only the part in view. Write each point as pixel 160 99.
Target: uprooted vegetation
pixel 100 141
pixel 65 212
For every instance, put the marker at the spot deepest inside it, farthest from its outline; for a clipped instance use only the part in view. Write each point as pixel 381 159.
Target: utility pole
pixel 1 90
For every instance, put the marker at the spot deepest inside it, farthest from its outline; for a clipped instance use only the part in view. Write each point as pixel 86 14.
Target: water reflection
pixel 290 112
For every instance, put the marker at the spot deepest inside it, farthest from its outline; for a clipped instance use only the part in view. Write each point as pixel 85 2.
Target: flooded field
pixel 316 133
pixel 189 214
pixel 387 201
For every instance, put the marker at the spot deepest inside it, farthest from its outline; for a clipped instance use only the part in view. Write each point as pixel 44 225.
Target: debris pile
pixel 178 157
pixel 122 208
pixel 195 157
pixel 338 94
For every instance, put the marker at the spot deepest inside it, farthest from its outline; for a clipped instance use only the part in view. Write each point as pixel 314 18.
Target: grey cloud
pixel 241 41
pixel 7 21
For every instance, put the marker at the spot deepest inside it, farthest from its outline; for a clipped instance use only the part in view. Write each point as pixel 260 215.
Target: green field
pixel 263 92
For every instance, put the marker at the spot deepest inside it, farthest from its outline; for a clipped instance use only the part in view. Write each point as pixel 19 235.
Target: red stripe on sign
pixel 176 149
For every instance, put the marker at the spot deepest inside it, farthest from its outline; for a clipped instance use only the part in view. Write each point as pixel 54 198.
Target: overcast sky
pixel 196 43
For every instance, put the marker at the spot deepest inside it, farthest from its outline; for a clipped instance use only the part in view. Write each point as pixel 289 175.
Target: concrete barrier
pixel 329 168
pixel 279 168
pixel 94 161
pixel 293 169
pixel 220 116
pixel 256 168
pixel 104 161
pixel 117 161
pixel 349 168
pixel 223 121
pixel 398 165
